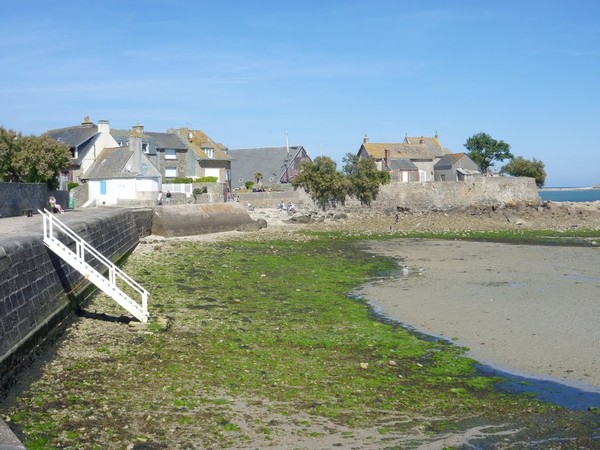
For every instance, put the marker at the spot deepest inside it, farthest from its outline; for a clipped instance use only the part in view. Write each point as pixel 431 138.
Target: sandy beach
pixel 528 310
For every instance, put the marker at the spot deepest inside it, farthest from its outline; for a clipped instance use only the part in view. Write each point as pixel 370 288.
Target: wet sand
pixel 527 310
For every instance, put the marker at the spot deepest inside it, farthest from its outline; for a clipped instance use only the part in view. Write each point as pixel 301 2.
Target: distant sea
pixel 570 194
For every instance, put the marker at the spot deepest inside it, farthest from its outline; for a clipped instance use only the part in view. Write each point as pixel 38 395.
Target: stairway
pixel 85 253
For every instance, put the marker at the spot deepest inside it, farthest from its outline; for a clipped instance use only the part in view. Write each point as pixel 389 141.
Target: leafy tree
pixel 258 176
pixel 320 179
pixel 8 147
pixel 364 178
pixel 32 159
pixel 484 150
pixel 521 167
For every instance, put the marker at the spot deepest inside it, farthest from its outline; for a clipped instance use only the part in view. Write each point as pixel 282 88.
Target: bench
pixel 28 212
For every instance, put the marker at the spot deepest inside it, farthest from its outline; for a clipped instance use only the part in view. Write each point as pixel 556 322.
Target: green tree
pixel 521 167
pixel 32 159
pixel 258 176
pixel 8 147
pixel 485 150
pixel 364 178
pixel 320 179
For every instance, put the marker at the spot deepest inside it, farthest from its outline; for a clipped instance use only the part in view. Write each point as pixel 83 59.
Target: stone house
pixel 456 167
pixel 419 159
pixel 278 165
pixel 182 153
pixel 166 151
pixel 407 161
pixel 206 158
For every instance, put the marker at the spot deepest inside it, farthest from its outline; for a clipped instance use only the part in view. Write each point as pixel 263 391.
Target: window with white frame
pixel 209 152
pixel 170 172
pixel 145 148
pixel 170 153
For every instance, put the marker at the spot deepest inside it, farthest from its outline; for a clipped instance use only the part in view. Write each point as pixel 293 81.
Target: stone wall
pixel 38 290
pixel 481 192
pixel 16 197
pixel 270 199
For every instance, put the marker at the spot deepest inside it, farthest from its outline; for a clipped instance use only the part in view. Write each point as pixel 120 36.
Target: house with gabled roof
pixel 405 161
pixel 167 151
pixel 206 158
pixel 85 141
pixel 277 165
pixel 456 167
pixel 123 175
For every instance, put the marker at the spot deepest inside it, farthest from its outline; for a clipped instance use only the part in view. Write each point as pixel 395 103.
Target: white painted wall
pixel 122 189
pixel 102 140
pixel 213 172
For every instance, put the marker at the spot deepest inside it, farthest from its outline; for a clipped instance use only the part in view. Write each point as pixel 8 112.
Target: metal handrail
pixel 82 247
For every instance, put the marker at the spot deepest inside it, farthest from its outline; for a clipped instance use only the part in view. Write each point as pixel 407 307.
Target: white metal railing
pixel 80 260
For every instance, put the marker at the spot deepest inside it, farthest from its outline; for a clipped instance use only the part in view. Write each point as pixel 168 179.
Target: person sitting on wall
pixel 55 206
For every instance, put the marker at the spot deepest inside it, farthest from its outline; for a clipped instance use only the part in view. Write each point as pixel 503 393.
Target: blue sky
pixel 326 72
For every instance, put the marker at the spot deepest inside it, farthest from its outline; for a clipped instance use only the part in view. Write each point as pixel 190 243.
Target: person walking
pixel 159 199
pixel 168 197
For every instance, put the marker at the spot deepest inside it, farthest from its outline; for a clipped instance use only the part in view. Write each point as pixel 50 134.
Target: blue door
pixel 103 188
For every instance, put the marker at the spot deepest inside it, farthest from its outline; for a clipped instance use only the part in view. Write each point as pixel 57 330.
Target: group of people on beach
pixel 289 207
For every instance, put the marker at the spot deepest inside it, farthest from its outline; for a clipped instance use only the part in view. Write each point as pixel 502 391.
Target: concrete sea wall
pixel 38 290
pixel 194 219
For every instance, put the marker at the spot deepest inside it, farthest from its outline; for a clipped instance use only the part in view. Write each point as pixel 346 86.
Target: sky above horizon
pixel 327 73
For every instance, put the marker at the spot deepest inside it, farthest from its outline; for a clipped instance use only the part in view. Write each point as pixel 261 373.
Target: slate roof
pixel 74 136
pixel 402 164
pixel 448 161
pixel 153 139
pixel 112 163
pixel 269 161
pixel 167 140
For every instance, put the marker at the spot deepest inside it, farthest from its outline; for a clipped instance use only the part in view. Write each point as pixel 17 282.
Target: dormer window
pixel 209 152
pixel 145 148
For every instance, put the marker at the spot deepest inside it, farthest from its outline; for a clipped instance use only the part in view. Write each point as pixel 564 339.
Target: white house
pixel 123 175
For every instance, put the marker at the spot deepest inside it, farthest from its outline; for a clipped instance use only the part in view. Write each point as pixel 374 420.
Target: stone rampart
pixel 38 289
pixel 482 193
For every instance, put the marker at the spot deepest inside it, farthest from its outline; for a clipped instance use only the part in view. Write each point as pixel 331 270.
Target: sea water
pixel 570 195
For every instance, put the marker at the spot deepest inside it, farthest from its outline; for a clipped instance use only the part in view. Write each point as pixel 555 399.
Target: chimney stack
pixel 135 145
pixel 139 129
pixel 103 126
pixel 366 139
